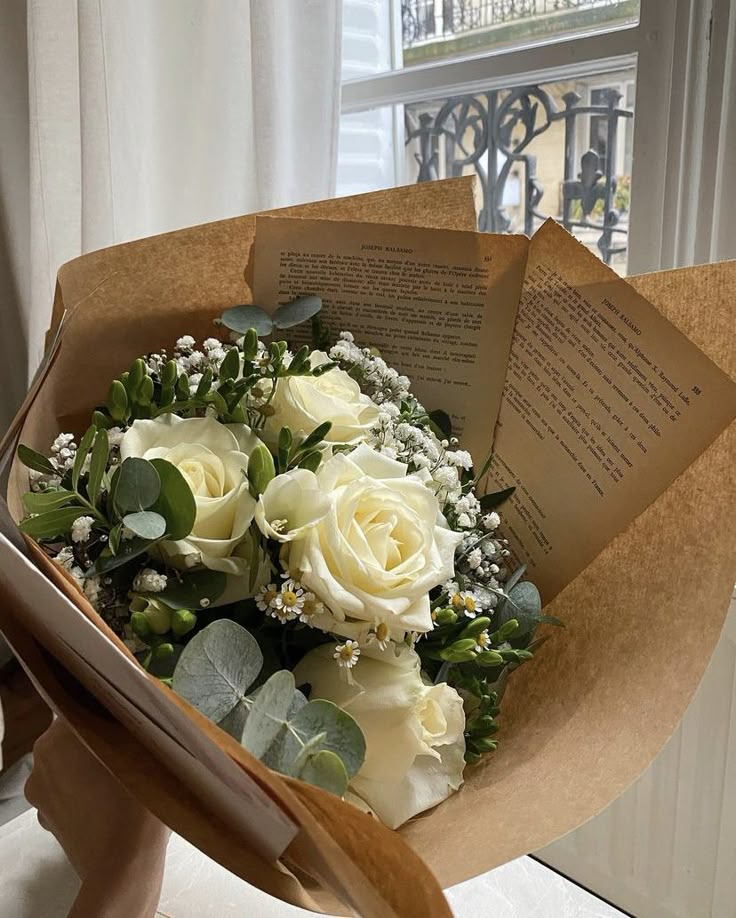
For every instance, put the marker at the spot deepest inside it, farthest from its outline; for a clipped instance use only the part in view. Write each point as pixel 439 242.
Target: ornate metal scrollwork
pixel 491 133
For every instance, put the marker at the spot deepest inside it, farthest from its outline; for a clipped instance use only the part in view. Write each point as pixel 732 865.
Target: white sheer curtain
pixel 143 117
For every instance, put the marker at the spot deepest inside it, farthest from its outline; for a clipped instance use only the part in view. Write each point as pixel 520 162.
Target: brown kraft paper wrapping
pixel 579 724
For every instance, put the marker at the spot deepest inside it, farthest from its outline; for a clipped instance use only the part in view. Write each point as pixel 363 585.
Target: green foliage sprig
pixel 312 740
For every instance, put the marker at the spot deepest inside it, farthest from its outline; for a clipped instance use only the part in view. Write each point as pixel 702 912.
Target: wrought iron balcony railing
pixel 427 20
pixel 490 133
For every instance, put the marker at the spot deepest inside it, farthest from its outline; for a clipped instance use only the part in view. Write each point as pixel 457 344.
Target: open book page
pixel 605 404
pixel 440 305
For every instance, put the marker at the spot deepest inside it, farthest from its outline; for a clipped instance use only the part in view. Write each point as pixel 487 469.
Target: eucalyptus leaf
pixel 322 725
pixel 515 577
pixel 489 502
pixel 326 770
pixel 146 524
pixel 524 604
pixel 241 318
pixel 42 501
pixel 52 523
pixel 34 460
pixel 98 464
pixel 175 502
pixel 138 486
pixel 297 311
pixel 276 756
pixel 217 667
pixel 267 715
pixel 234 722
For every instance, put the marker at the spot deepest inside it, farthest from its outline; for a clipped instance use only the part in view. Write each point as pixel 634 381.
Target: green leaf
pixel 188 590
pixel 250 344
pixel 138 486
pixel 297 311
pixel 285 441
pixel 146 524
pixel 241 318
pixel 176 502
pixel 490 501
pixel 441 423
pixel 144 392
pixel 81 455
pixel 261 469
pixel 114 538
pixel 267 715
pixel 484 469
pixel 514 578
pixel 43 501
pixel 34 460
pixel 126 550
pixel 323 725
pixel 551 620
pixel 51 524
pixel 98 464
pixel 310 461
pixel 524 604
pixel 217 667
pixel 163 666
pixel 326 770
pixel 230 366
pixel 276 756
pixel 315 437
pixel 117 401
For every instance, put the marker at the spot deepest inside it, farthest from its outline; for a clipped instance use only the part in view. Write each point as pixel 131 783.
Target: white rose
pixel 379 550
pixel 213 458
pixel 415 748
pixel 304 402
pixel 291 504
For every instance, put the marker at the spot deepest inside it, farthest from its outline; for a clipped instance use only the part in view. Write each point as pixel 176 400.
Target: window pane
pixel 433 29
pixel 561 150
pixel 381 35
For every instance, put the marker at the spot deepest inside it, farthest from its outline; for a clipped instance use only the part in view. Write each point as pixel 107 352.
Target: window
pixel 536 97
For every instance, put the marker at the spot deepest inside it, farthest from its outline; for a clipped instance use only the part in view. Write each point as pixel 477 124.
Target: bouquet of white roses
pixel 298 548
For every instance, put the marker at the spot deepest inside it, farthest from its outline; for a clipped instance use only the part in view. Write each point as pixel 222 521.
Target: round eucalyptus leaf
pixel 240 318
pixel 145 524
pixel 234 722
pixel 279 755
pixel 138 486
pixel 297 311
pixel 323 725
pixel 267 715
pixel 522 603
pixel 176 502
pixel 525 596
pixel 325 770
pixel 217 667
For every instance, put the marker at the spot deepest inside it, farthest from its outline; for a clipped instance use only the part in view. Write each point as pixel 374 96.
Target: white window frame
pixel 671 48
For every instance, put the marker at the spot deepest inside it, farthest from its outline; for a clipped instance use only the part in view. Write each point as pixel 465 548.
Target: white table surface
pixel 36 881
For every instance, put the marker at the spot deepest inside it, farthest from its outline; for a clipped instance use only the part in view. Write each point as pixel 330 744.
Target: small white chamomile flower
pixel 347 654
pixel 265 597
